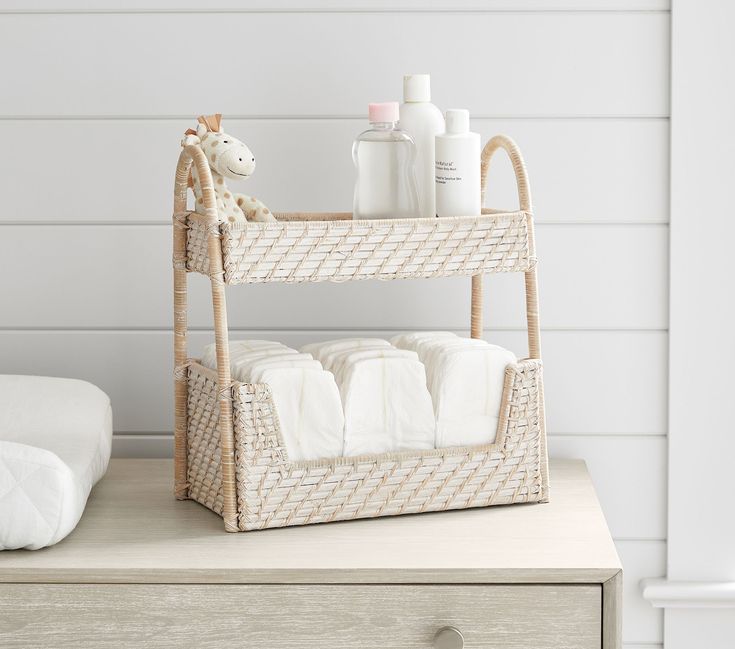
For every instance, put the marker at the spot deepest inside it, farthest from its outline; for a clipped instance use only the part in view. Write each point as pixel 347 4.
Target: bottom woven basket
pixel 273 492
pixel 229 450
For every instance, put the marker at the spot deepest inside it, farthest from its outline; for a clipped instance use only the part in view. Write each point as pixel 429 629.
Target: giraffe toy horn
pixel 213 123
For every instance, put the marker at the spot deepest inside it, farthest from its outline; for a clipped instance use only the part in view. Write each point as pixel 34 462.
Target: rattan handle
pixel 193 154
pixel 524 199
pixel 514 153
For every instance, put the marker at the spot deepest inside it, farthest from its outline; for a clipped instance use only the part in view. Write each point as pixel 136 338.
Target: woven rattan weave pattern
pixel 273 492
pixel 344 250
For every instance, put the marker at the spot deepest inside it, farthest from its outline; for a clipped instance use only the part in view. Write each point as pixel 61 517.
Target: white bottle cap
pixel 416 87
pixel 458 121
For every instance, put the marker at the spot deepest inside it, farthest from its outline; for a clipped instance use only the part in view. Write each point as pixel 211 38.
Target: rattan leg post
pixel 544 455
pixel 476 307
pixel 221 339
pixel 534 351
pixel 180 385
pixel 224 396
pixel 532 321
pixel 181 487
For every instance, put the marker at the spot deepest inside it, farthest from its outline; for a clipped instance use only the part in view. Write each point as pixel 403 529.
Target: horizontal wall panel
pixel 587 170
pixel 596 382
pixel 629 473
pixel 566 63
pixel 642 623
pixel 603 382
pixel 331 5
pixel 120 276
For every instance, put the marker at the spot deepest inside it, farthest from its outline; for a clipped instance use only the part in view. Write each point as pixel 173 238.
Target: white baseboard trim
pixel 663 593
pixel 143 445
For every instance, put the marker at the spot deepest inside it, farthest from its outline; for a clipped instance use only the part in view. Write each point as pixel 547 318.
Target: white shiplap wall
pixel 98 95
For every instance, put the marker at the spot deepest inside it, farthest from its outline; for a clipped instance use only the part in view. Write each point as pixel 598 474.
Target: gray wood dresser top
pixel 142 569
pixel 134 531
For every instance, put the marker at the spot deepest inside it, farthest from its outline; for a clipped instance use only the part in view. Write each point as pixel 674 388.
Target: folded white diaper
pixel 386 405
pixel 429 353
pixel 238 348
pixel 332 359
pixel 320 350
pixel 258 367
pixel 467 389
pixel 465 378
pixel 423 341
pixel 426 344
pixel 243 367
pixel 409 341
pixel 339 361
pixel 309 411
pixel 306 397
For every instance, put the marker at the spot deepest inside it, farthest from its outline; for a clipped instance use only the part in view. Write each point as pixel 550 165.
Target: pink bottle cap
pixel 383 112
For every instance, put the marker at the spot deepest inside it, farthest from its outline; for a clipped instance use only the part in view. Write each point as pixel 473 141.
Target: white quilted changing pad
pixel 55 442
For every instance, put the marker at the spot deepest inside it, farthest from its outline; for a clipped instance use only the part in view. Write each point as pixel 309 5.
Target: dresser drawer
pixel 298 616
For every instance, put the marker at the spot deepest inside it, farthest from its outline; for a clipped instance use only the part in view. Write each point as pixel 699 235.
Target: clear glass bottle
pixel 384 157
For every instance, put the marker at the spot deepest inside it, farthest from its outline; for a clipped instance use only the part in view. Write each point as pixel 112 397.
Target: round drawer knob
pixel 448 637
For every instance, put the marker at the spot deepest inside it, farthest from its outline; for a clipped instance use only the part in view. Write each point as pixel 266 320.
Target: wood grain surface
pixel 134 531
pixel 292 617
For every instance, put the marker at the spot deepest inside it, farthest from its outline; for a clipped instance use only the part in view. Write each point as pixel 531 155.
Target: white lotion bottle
pixel 458 167
pixel 423 122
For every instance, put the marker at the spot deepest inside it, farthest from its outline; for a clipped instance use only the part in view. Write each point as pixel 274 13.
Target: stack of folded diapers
pixel 364 396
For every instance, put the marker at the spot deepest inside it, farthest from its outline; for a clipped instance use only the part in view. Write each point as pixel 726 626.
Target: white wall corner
pixel 698 593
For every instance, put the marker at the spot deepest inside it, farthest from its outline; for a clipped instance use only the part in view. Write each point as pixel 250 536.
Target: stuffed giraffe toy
pixel 228 158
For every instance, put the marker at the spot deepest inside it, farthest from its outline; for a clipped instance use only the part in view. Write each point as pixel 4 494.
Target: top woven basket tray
pixel 302 249
pixel 229 452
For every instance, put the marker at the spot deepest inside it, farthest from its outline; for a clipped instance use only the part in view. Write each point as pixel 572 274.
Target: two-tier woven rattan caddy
pixel 229 452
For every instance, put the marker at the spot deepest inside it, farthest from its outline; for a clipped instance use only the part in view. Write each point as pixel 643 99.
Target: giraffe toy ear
pixel 202 130
pixel 190 137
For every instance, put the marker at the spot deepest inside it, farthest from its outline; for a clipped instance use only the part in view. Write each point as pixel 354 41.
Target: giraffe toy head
pixel 228 157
